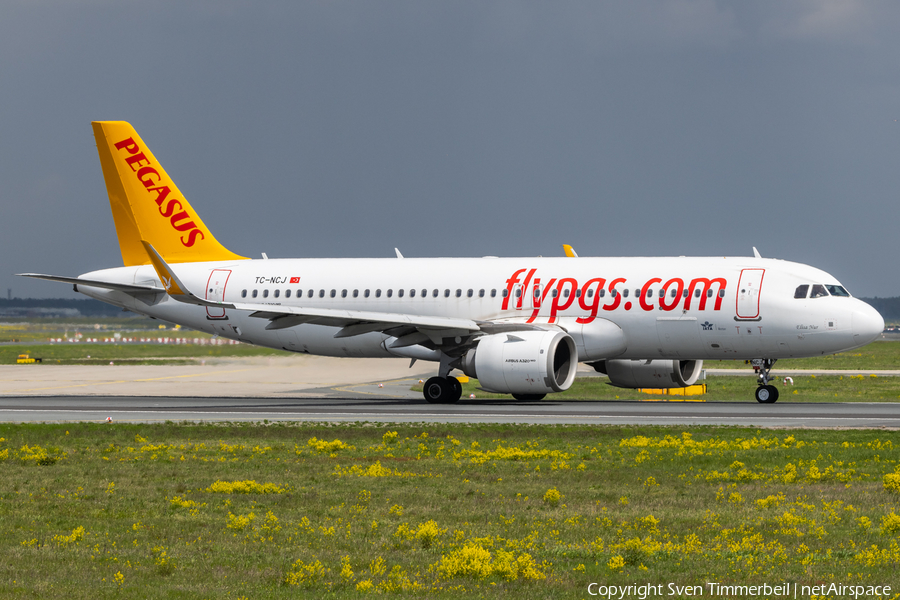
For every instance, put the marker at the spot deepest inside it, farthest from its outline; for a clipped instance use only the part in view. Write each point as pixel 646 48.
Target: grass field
pixel 480 511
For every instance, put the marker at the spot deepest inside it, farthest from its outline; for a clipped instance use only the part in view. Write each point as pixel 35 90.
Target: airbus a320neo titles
pixel 518 325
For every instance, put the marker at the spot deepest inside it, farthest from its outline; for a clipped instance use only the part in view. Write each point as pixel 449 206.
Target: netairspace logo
pixel 714 589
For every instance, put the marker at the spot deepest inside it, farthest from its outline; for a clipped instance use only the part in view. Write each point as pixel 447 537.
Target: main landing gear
pixel 765 393
pixel 442 390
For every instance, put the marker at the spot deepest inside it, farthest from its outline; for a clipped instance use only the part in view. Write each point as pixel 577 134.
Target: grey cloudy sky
pixel 329 128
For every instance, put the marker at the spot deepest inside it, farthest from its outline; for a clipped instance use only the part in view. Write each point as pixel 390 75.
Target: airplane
pixel 519 326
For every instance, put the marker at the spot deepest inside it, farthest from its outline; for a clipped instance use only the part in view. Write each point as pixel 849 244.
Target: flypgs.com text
pixel 671 295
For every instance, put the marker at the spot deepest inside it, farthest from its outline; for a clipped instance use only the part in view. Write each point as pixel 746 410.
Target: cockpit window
pixel 801 291
pixel 836 290
pixel 818 291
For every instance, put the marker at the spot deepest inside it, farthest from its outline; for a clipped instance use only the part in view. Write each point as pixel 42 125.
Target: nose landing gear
pixel 765 393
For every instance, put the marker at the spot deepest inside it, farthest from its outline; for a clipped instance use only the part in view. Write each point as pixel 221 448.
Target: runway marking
pixel 357 415
pixel 195 375
pixel 349 388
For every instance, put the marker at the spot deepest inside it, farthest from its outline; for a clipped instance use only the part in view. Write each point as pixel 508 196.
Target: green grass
pixel 881 355
pixel 107 511
pixel 25 330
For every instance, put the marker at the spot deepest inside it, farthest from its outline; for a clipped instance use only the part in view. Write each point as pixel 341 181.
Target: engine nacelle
pixel 652 373
pixel 523 362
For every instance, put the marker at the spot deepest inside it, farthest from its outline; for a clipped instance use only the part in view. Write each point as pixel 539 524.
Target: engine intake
pixel 524 362
pixel 651 373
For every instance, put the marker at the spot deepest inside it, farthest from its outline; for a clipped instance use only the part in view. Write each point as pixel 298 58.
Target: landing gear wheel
pixel 442 390
pixel 527 397
pixel 436 390
pixel 455 390
pixel 767 394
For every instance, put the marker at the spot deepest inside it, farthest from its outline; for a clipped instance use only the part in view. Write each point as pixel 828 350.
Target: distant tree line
pixel 888 307
pixel 49 307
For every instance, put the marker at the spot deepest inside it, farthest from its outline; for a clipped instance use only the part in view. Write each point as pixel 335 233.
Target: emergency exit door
pixel 749 288
pixel 215 292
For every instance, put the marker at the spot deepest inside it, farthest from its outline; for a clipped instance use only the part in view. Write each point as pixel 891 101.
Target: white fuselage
pixel 640 308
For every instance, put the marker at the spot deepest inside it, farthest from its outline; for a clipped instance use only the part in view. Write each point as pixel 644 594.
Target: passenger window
pixel 697 293
pixel 412 293
pixel 459 293
pixel 649 293
pixel 674 292
pixel 446 293
pixel 818 291
pixel 310 293
pixel 481 293
pixel 578 293
pixel 255 292
pixel 801 291
pixel 366 294
pixel 470 293
pixel 601 293
pixel 243 293
pixel 390 293
pixel 434 293
pixel 709 293
pixel 721 293
pixel 566 293
pixel 378 293
pixel 613 293
pixel 591 293
pixel 277 293
pixel 504 294
pixel 356 293
pixel 519 292
pixel 399 293
pixel 266 293
pixel 333 293
pixel 836 290
pixel 321 293
pixel 684 294
pixel 424 293
pixel 554 293
pixel 625 292
pixel 287 293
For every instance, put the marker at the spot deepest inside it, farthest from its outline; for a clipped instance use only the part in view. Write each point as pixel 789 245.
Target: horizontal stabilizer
pixel 121 287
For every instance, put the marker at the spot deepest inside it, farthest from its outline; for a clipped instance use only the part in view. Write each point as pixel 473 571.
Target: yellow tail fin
pixel 146 204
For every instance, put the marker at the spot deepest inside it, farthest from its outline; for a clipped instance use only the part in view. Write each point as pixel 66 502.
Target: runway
pixel 317 389
pixel 379 409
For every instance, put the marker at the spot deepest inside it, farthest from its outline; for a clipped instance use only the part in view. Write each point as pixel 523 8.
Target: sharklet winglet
pixel 174 287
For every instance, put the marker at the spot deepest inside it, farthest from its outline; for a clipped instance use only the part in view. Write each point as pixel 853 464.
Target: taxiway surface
pixel 308 388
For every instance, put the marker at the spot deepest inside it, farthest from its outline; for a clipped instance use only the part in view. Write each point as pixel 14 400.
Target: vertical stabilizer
pixel 146 204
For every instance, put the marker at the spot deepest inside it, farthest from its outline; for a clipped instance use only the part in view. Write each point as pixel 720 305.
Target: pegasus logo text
pixel 150 179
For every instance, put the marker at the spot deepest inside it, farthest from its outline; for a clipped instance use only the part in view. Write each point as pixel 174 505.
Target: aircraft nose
pixel 866 324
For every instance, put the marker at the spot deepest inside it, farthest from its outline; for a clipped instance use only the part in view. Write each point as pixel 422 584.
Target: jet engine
pixel 528 363
pixel 651 373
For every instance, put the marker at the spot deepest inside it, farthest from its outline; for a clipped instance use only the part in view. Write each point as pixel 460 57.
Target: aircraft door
pixel 215 292
pixel 749 288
